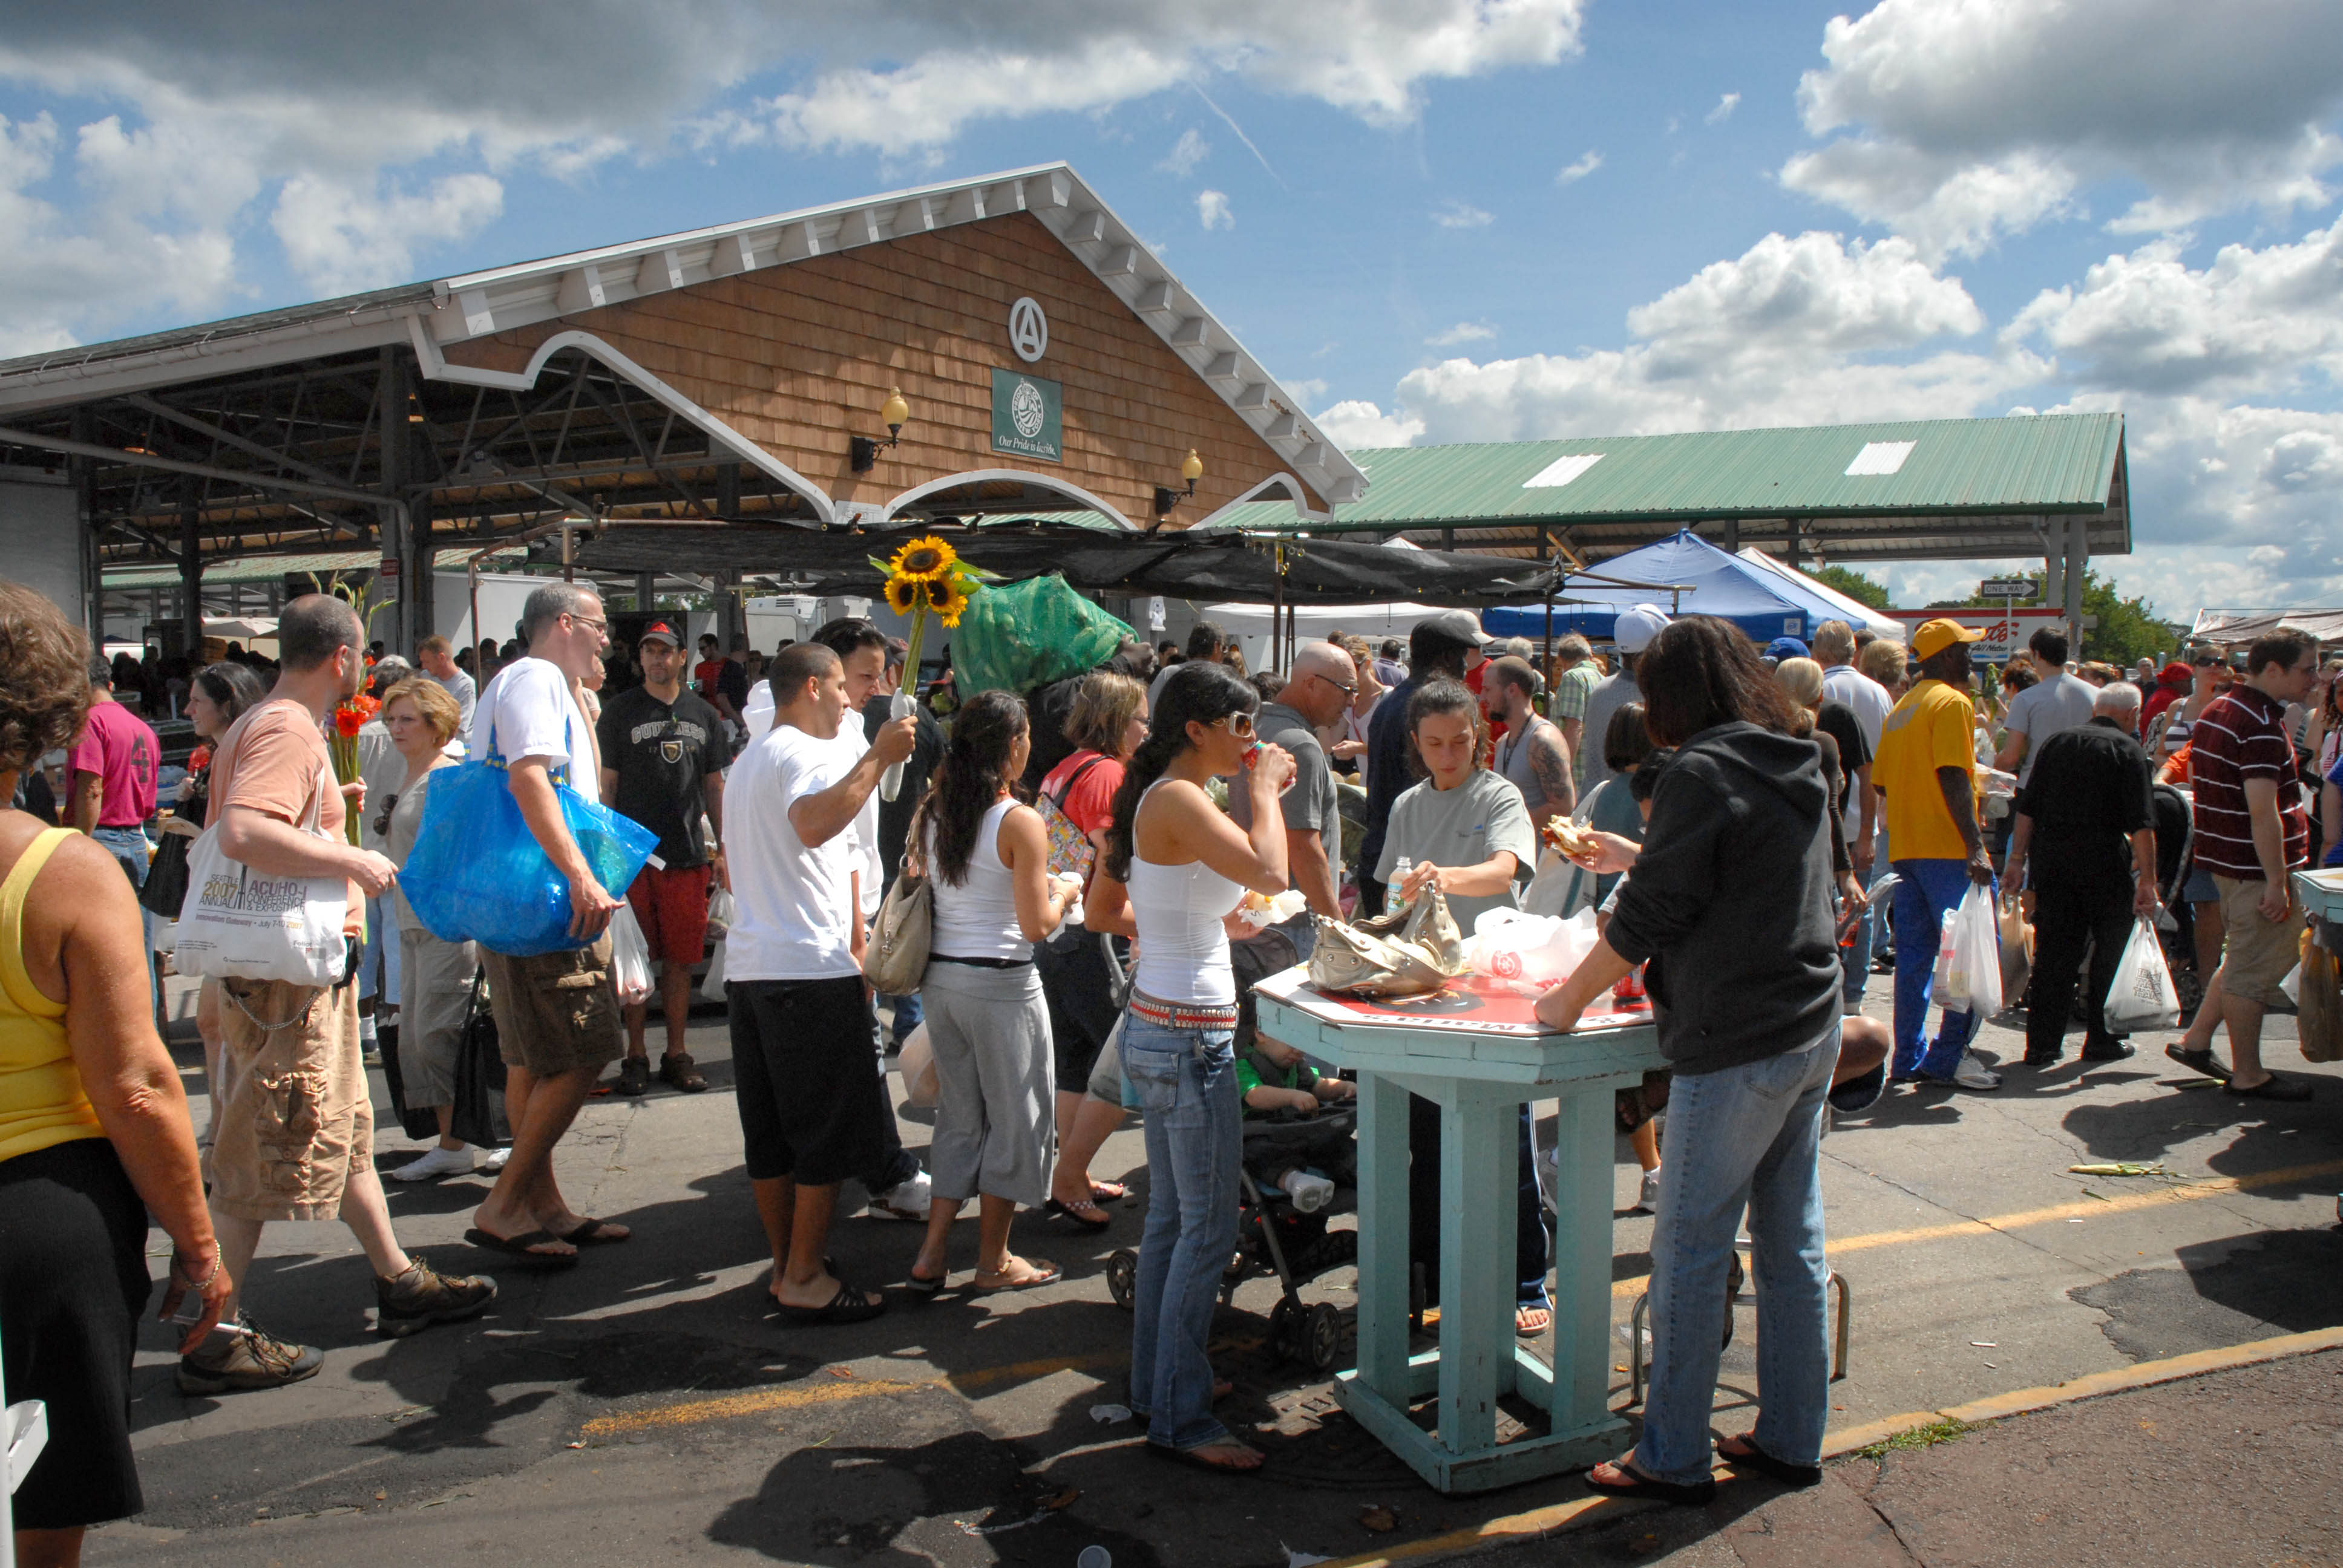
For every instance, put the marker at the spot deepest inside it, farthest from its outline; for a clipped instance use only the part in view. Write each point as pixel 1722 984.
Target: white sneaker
pixel 435 1164
pixel 1647 1198
pixel 1309 1193
pixel 495 1160
pixel 1974 1075
pixel 907 1202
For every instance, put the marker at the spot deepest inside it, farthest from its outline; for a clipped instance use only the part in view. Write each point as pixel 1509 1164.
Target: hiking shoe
pixel 241 1359
pixel 634 1077
pixel 677 1071
pixel 1647 1197
pixel 440 1161
pixel 423 1296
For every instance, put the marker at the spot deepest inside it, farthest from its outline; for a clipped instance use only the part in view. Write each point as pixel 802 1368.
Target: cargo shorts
pixel 295 1120
pixel 555 1012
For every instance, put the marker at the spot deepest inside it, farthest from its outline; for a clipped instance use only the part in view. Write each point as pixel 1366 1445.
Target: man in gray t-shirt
pixel 1317 693
pixel 2057 701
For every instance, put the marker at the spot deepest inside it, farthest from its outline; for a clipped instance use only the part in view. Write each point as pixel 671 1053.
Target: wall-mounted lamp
pixel 862 451
pixel 1166 497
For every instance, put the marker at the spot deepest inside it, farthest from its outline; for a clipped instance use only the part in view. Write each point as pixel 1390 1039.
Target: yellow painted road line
pixel 1587 1512
pixel 2088 1209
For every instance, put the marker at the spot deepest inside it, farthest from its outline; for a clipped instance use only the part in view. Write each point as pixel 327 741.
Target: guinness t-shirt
pixel 662 756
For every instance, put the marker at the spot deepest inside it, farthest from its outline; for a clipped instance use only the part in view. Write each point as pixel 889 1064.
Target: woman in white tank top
pixel 987 858
pixel 1174 868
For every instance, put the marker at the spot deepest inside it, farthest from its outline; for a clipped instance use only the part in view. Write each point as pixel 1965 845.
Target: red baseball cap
pixel 659 631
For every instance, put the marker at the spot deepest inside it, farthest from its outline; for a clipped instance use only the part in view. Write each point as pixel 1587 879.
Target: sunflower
pixel 903 593
pixel 925 559
pixel 946 597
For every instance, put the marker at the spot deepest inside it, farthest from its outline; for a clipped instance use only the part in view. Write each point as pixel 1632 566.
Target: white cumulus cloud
pixel 1356 425
pixel 342 240
pixel 1723 110
pixel 1463 332
pixel 1959 123
pixel 1212 210
pixel 1461 214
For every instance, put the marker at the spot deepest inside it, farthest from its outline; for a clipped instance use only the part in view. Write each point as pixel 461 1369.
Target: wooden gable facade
pixel 798 358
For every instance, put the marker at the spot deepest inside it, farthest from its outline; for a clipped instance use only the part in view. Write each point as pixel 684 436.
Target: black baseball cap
pixel 659 631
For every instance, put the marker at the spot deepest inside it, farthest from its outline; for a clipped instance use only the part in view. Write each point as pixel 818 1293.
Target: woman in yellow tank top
pixel 94 1128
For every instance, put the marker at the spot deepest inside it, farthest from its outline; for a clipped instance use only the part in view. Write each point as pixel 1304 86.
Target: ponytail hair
pixel 967 781
pixel 1195 692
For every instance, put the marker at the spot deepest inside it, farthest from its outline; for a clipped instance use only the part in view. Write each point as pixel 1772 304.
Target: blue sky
pixel 1435 219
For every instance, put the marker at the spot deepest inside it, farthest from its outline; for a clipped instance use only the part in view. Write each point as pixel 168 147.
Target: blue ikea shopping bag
pixel 477 874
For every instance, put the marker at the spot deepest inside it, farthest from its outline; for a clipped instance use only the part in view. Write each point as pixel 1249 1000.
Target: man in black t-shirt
pixel 664 750
pixel 2083 846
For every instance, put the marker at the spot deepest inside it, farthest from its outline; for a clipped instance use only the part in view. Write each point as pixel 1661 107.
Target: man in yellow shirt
pixel 1927 769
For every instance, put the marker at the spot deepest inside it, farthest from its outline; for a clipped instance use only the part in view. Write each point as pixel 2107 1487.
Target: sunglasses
pixel 382 821
pixel 1239 724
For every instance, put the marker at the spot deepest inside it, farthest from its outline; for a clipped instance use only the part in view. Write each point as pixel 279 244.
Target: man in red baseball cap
pixel 1926 770
pixel 664 751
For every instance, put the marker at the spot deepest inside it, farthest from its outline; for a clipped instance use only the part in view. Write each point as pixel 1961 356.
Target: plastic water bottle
pixel 1398 902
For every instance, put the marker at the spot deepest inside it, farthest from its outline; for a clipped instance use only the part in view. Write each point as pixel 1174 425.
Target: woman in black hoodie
pixel 1731 905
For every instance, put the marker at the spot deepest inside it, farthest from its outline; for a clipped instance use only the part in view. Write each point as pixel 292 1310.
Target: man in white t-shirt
pixel 557 1015
pixel 811 1096
pixel 1869 702
pixel 2057 701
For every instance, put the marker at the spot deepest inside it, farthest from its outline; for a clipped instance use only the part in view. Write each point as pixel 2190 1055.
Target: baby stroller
pixel 1274 1237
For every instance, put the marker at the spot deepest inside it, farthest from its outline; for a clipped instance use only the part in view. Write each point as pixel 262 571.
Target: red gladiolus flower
pixel 347 722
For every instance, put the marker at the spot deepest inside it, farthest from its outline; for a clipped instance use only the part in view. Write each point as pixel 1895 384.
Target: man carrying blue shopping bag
pixel 556 1013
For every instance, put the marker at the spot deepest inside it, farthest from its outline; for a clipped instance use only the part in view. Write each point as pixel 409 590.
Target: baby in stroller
pixel 1315 1157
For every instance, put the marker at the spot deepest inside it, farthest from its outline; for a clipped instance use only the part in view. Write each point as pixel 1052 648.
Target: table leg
pixel 1582 1246
pixel 1382 1238
pixel 1477 1187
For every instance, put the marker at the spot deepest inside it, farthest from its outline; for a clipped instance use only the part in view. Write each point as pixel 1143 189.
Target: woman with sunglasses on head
pixel 1181 865
pixel 434 976
pixel 216 698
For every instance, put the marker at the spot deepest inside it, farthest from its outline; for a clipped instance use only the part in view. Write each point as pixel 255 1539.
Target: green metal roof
pixel 2030 465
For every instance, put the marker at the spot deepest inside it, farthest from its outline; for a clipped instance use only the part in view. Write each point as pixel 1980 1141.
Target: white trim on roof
pixel 1021 475
pixel 1283 485
pixel 478 304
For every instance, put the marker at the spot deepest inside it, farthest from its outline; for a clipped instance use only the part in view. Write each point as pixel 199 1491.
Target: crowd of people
pixel 1078 855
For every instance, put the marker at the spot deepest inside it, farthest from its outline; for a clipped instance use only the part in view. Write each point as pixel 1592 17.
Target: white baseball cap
pixel 1637 625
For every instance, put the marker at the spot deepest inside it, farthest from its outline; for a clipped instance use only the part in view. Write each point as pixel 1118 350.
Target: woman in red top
pixel 1108 721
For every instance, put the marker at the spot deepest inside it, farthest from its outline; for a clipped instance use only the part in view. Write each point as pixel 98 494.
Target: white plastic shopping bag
pixel 1535 949
pixel 2142 995
pixel 1973 957
pixel 711 985
pixel 721 910
pixel 630 958
pixel 240 922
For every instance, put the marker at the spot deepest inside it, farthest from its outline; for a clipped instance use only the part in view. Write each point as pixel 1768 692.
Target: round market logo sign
pixel 1026 409
pixel 1029 329
pixel 1027 416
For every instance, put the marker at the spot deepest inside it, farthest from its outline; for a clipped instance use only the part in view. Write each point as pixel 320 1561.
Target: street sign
pixel 2007 587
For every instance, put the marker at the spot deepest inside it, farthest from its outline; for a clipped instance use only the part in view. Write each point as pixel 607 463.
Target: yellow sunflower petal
pixel 901 595
pixel 925 559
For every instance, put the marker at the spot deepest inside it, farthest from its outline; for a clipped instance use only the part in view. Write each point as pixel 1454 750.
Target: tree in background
pixel 2128 630
pixel 1855 585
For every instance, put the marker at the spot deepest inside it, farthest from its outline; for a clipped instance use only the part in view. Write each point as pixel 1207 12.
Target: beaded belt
pixel 1209 1015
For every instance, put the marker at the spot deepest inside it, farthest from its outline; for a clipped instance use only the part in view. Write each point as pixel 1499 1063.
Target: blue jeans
pixel 910 1013
pixel 1745 1136
pixel 130 851
pixel 1870 934
pixel 1930 891
pixel 1186 1082
pixel 1882 939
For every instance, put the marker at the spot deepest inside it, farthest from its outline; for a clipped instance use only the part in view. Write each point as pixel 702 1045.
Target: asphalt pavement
pixel 645 1407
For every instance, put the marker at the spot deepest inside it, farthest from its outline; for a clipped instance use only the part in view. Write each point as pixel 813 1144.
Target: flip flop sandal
pixel 1049 1274
pixel 1193 1458
pixel 2273 1087
pixel 1072 1214
pixel 1522 1331
pixel 1638 1484
pixel 524 1246
pixel 1756 1458
pixel 847 1306
pixel 1108 1191
pixel 2198 1061
pixel 590 1233
pixel 920 1287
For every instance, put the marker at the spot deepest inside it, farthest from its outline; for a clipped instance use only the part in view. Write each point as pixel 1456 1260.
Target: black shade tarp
pixel 1215 564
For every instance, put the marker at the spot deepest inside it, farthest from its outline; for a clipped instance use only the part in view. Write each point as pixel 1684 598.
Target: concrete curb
pixel 1585 1512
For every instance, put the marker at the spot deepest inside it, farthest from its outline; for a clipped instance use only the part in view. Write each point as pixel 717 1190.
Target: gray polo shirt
pixel 1462 826
pixel 1311 804
pixel 2046 708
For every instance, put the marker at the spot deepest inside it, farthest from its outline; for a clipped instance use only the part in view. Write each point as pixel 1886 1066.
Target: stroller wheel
pixel 1284 1323
pixel 1320 1338
pixel 1122 1276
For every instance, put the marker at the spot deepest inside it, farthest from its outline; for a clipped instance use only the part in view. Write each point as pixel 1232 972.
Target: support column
pixel 1732 535
pixel 2054 562
pixel 418 592
pixel 1797 555
pixel 729 620
pixel 646 590
pixel 191 569
pixel 393 529
pixel 2079 556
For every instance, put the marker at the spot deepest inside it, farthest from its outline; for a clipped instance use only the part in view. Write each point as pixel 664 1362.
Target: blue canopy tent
pixel 1713 582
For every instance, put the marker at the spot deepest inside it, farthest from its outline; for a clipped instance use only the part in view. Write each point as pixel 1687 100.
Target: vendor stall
pixel 1476 1049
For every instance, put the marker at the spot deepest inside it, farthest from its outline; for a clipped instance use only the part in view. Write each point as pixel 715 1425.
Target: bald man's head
pixel 1320 685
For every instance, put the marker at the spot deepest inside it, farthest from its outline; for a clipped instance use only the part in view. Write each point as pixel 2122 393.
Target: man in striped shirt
pixel 2252 834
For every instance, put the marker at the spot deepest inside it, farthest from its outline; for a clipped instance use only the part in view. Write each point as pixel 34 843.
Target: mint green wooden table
pixel 2320 893
pixel 1479 1082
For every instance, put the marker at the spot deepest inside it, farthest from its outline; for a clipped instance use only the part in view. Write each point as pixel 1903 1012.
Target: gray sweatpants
pixel 995 1102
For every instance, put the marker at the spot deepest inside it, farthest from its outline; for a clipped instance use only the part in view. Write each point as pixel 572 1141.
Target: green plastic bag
pixel 1017 637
